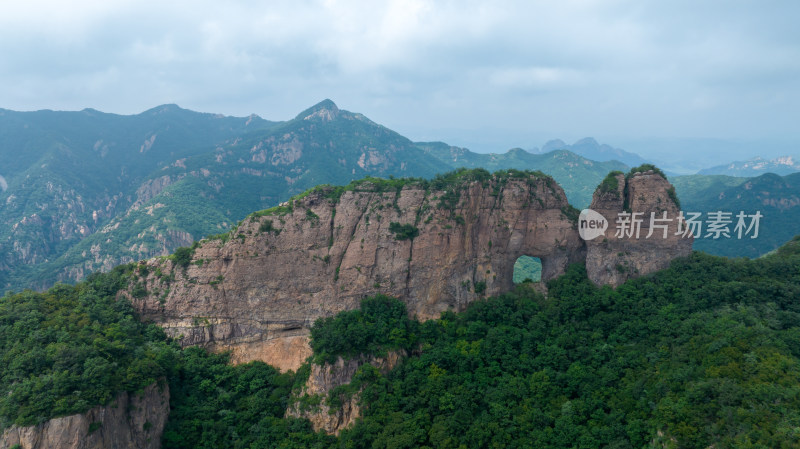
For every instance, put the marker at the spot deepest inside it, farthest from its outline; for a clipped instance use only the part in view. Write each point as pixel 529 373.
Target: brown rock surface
pixel 324 255
pixel 130 422
pixel 324 378
pixel 613 260
pixel 258 291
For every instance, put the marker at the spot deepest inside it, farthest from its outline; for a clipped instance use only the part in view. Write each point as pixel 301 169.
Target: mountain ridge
pixel 131 187
pixel 783 165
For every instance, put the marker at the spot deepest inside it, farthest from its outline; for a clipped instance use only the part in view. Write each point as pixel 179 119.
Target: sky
pixel 486 75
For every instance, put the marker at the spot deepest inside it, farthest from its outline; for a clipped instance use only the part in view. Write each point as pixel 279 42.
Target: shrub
pixel 267 226
pixel 645 167
pixel 610 184
pixel 403 232
pixel 182 256
pixel 380 324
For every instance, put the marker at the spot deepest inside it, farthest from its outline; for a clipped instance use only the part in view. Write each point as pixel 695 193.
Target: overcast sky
pixel 486 75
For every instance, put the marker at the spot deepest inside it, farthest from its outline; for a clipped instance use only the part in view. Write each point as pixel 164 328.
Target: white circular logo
pixel 591 224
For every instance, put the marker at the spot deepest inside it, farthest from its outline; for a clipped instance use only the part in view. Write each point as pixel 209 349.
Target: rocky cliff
pixel 312 401
pixel 649 239
pixel 436 245
pixel 131 421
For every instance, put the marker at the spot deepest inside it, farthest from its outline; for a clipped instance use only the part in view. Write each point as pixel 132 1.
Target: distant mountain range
pixel 577 175
pixel 591 149
pixel 85 191
pixel 754 167
pixel 776 198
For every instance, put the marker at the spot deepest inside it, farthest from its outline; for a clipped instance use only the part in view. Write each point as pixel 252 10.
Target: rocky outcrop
pixel 130 421
pixel 436 246
pixel 312 401
pixel 624 252
pixel 280 271
pixel 151 188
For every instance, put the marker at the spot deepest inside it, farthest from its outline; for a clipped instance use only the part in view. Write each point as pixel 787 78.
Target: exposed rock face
pixel 129 422
pixel 258 292
pixel 324 255
pixel 324 378
pixel 613 260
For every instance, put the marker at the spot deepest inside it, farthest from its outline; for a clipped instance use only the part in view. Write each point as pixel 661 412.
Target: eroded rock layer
pixel 436 246
pixel 650 239
pixel 312 401
pixel 131 421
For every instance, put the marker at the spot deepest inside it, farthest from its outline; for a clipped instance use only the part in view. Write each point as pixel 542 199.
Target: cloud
pixel 588 67
pixel 534 77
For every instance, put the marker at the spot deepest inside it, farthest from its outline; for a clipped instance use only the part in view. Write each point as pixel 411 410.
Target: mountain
pixel 179 195
pixel 591 149
pixel 578 175
pixel 703 353
pixel 756 166
pixel 85 191
pixel 775 197
pixel 437 244
pixel 68 174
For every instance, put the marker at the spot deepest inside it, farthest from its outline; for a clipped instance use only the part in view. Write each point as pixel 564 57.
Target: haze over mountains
pixel 756 166
pixel 591 149
pixel 88 190
pixel 85 191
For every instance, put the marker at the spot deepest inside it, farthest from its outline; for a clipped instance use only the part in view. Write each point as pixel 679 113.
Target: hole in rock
pixel 527 269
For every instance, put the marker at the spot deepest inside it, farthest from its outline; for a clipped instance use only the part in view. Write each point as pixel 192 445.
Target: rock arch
pixel 437 246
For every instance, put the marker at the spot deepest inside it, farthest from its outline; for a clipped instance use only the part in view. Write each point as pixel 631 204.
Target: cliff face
pixel 258 291
pixel 325 378
pixel 611 260
pixel 129 422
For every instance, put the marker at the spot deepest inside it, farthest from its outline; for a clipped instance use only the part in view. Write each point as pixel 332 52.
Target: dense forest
pixel 74 347
pixel 703 353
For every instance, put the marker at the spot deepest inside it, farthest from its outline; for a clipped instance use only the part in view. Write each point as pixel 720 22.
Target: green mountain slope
pixel 87 190
pixel 577 175
pixel 777 198
pixel 702 354
pixel 67 174
pixel 201 194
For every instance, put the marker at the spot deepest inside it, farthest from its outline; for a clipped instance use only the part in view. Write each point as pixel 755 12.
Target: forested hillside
pixel 66 175
pixel 86 191
pixel 703 353
pixel 776 198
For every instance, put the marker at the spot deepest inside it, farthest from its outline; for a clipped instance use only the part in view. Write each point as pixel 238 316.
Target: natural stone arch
pixel 260 289
pixel 527 269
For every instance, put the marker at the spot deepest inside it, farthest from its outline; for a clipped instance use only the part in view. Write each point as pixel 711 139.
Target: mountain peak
pixel 162 109
pixel 589 141
pixel 555 144
pixel 326 110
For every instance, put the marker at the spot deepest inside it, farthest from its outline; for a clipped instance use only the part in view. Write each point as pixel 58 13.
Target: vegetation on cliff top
pixel 703 353
pixel 646 167
pixel 441 182
pixel 610 183
pixel 74 347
